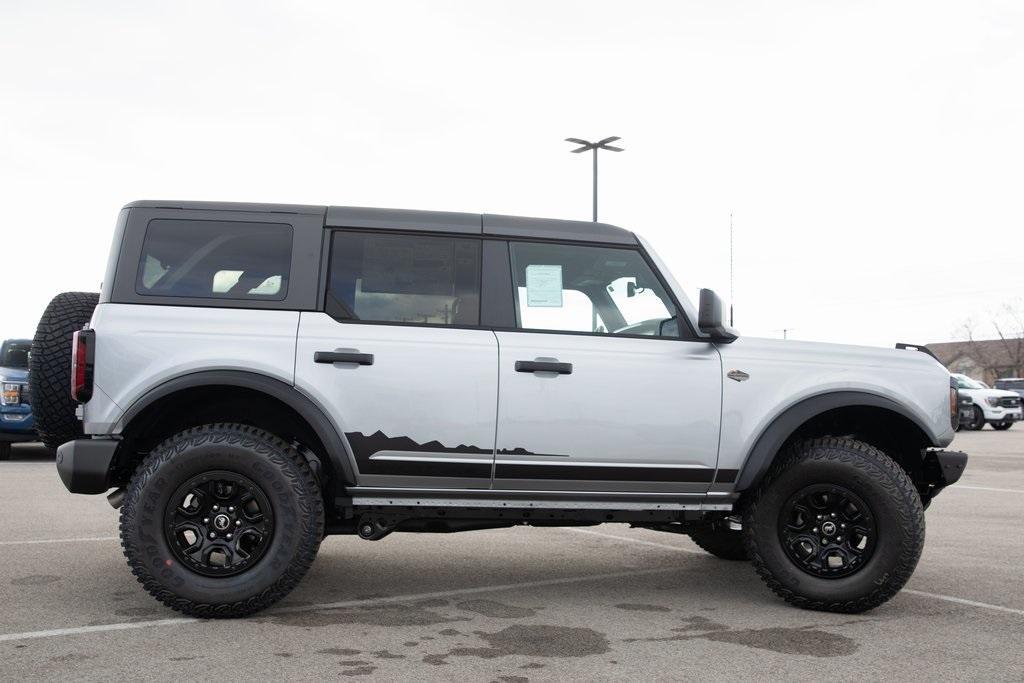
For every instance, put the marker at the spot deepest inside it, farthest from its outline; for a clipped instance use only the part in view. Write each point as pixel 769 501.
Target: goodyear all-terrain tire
pixel 836 525
pixel 221 520
pixel 50 366
pixel 721 542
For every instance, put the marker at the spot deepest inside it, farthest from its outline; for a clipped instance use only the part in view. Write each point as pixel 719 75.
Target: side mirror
pixel 709 318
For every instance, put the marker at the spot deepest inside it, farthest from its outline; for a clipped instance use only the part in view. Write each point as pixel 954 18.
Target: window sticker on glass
pixel 544 286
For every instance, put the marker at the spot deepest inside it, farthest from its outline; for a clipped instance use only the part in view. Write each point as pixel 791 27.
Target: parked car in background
pixel 1014 384
pixel 997 407
pixel 16 422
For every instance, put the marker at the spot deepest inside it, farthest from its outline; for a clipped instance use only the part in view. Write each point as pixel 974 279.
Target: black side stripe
pixel 598 473
pixel 726 476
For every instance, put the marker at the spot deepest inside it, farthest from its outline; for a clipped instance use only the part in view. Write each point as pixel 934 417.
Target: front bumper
pixel 18 437
pixel 17 421
pixel 999 415
pixel 951 465
pixel 84 464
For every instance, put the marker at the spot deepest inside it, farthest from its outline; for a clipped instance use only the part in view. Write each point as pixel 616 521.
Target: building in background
pixel 984 360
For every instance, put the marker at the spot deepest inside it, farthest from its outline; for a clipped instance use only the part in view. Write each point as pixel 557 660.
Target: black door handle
pixel 543 366
pixel 343 357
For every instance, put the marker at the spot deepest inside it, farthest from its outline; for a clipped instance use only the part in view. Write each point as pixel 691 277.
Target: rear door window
pixel 411 279
pixel 215 260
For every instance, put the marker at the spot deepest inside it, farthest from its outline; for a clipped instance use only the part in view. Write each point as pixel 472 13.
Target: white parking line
pixel 123 626
pixel 61 540
pixel 962 601
pixel 935 596
pixel 955 487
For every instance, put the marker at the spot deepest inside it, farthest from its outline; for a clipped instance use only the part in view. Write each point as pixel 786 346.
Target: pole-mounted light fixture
pixel 586 146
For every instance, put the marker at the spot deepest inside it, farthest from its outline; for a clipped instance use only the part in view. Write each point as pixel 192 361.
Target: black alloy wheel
pixel 978 421
pixel 218 523
pixel 827 531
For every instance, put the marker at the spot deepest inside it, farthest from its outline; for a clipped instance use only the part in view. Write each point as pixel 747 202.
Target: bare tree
pixel 1009 324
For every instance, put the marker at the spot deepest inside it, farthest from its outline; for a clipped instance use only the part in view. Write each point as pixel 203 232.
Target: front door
pixel 600 390
pixel 397 363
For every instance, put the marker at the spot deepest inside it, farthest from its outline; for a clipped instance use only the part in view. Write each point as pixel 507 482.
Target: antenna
pixel 731 295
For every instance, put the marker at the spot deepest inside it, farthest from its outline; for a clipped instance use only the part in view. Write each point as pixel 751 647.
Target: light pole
pixel 587 146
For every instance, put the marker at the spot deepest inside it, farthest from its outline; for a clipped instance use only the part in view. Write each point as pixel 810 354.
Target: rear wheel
pixel 222 520
pixel 1001 426
pixel 837 525
pixel 5 450
pixel 721 542
pixel 50 366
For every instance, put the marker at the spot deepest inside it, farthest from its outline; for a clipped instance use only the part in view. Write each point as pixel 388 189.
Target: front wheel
pixel 837 525
pixel 1002 426
pixel 222 520
pixel 5 450
pixel 977 421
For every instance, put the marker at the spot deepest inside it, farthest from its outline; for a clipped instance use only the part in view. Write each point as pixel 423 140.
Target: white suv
pixel 998 407
pixel 257 376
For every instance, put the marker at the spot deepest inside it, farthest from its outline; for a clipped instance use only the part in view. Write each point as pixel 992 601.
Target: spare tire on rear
pixel 50 366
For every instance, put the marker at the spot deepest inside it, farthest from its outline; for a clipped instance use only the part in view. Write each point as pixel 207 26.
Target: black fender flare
pixel 762 454
pixel 313 414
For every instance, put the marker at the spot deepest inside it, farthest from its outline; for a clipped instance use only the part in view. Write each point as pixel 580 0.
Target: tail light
pixel 83 350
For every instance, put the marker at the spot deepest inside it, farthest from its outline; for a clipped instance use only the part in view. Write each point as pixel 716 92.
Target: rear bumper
pixel 84 464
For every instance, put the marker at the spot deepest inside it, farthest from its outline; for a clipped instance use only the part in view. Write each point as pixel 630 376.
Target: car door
pixel 399 361
pixel 600 390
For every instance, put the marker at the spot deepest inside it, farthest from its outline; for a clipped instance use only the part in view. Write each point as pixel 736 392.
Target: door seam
pixel 497 413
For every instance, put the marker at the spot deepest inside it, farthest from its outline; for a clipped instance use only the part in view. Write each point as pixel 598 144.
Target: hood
pixel 826 352
pixel 989 393
pixel 21 374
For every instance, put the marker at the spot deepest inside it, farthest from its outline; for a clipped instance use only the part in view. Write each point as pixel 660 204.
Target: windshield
pixel 14 354
pixel 1010 384
pixel 963 382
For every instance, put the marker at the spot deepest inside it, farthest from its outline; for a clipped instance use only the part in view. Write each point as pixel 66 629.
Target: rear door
pixel 600 389
pixel 400 361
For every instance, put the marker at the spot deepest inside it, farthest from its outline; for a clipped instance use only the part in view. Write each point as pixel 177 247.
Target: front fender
pixel 771 439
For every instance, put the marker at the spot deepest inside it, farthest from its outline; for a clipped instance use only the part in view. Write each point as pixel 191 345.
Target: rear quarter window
pixel 215 260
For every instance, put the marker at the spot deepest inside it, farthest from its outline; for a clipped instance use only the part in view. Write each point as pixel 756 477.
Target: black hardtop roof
pixel 427 221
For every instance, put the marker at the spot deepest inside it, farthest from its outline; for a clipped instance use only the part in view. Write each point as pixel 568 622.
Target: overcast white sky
pixel 872 152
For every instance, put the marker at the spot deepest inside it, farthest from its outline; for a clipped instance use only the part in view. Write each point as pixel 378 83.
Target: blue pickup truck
pixel 16 423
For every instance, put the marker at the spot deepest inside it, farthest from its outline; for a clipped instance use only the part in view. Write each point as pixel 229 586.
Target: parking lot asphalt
pixel 599 603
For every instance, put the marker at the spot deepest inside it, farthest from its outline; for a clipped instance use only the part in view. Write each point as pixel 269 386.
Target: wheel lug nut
pixel 839 539
pixel 231 509
pixel 833 515
pixel 213 535
pixel 228 537
pixel 238 522
pixel 206 520
pixel 819 516
pixel 814 530
pixel 216 507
